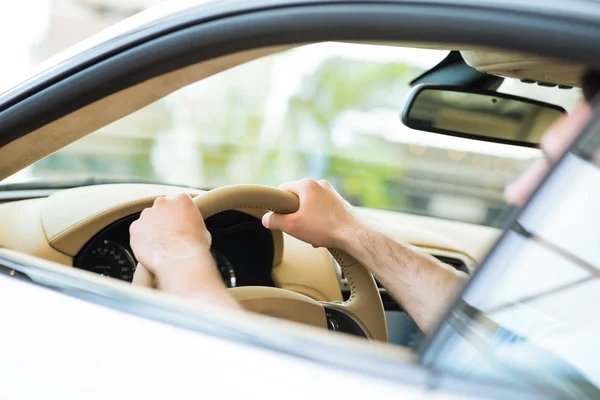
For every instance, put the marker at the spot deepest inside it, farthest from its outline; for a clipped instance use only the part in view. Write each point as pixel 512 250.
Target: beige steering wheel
pixel 364 305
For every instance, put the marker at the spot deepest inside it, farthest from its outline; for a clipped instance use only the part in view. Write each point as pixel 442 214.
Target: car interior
pixel 83 232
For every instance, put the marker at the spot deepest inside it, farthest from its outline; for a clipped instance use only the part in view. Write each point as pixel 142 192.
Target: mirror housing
pixel 479 114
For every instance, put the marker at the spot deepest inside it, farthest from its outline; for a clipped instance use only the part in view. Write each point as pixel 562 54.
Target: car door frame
pixel 56 95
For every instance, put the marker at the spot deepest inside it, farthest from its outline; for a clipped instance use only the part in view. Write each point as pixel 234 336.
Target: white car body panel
pixel 59 347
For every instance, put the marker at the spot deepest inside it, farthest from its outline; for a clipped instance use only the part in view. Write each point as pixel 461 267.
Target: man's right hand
pixel 324 218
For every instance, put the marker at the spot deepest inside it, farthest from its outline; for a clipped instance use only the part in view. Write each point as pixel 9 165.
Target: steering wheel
pixel 364 305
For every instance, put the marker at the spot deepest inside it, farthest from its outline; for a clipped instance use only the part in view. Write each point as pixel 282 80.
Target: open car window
pixel 529 317
pixel 328 111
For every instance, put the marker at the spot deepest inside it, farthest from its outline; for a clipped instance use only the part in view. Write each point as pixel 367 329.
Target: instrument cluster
pixel 241 247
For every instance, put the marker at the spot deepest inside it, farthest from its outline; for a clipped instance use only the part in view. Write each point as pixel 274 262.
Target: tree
pixel 340 85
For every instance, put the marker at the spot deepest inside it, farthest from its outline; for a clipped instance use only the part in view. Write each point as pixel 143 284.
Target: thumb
pixel 275 221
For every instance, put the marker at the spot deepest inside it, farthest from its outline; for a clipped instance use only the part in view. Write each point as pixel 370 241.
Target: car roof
pixel 176 14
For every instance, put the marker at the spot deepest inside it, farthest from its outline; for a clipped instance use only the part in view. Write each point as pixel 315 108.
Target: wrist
pixel 200 281
pixel 188 274
pixel 347 237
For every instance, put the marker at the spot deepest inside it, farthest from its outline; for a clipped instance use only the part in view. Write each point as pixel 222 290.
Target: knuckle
pixel 133 227
pixel 182 197
pixel 291 221
pixel 178 197
pixel 309 183
pixel 185 200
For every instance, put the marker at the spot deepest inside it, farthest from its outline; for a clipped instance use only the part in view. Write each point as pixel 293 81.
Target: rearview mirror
pixel 479 114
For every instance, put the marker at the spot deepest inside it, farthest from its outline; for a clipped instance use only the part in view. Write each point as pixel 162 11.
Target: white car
pixel 224 100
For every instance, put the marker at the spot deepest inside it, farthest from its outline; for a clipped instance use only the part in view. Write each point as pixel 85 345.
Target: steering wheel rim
pixel 364 304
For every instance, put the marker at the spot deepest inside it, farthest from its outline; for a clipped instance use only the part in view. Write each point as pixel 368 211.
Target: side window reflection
pixel 569 203
pixel 530 315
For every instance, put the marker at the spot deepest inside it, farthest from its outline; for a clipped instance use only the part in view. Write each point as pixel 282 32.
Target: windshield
pixel 328 111
pixel 529 316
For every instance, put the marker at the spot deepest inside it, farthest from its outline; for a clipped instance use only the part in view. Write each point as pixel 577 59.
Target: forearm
pixel 420 283
pixel 195 283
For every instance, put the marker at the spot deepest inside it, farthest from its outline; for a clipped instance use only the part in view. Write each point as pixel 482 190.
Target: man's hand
pixel 324 218
pixel 171 241
pixel 420 283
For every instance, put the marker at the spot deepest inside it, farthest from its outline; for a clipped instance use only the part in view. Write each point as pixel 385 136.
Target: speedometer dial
pixel 109 258
pixel 225 268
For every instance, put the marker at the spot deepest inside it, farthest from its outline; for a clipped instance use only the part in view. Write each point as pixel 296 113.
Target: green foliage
pixel 230 118
pixel 345 85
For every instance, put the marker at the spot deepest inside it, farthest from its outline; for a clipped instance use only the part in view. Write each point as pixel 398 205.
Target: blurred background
pixel 327 110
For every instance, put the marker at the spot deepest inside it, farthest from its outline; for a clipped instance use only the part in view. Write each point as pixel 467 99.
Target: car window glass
pixel 529 317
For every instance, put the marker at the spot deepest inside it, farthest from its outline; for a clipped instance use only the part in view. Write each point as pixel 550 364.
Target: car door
pixel 68 336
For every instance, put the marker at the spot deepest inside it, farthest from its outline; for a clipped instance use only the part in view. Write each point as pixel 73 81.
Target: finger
pixel 133 227
pixel 325 184
pixel 309 182
pixel 274 221
pixel 184 197
pixel 209 238
pixel 145 212
pixel 292 187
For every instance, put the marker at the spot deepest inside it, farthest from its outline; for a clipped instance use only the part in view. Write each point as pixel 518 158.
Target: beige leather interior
pixel 301 265
pixel 22 230
pixel 55 229
pixel 436 235
pixel 510 64
pixel 69 219
pixel 280 303
pixel 524 66
pixel 364 304
pixel 72 217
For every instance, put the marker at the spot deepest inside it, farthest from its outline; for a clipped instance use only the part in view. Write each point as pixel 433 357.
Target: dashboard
pixel 88 228
pixel 242 248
